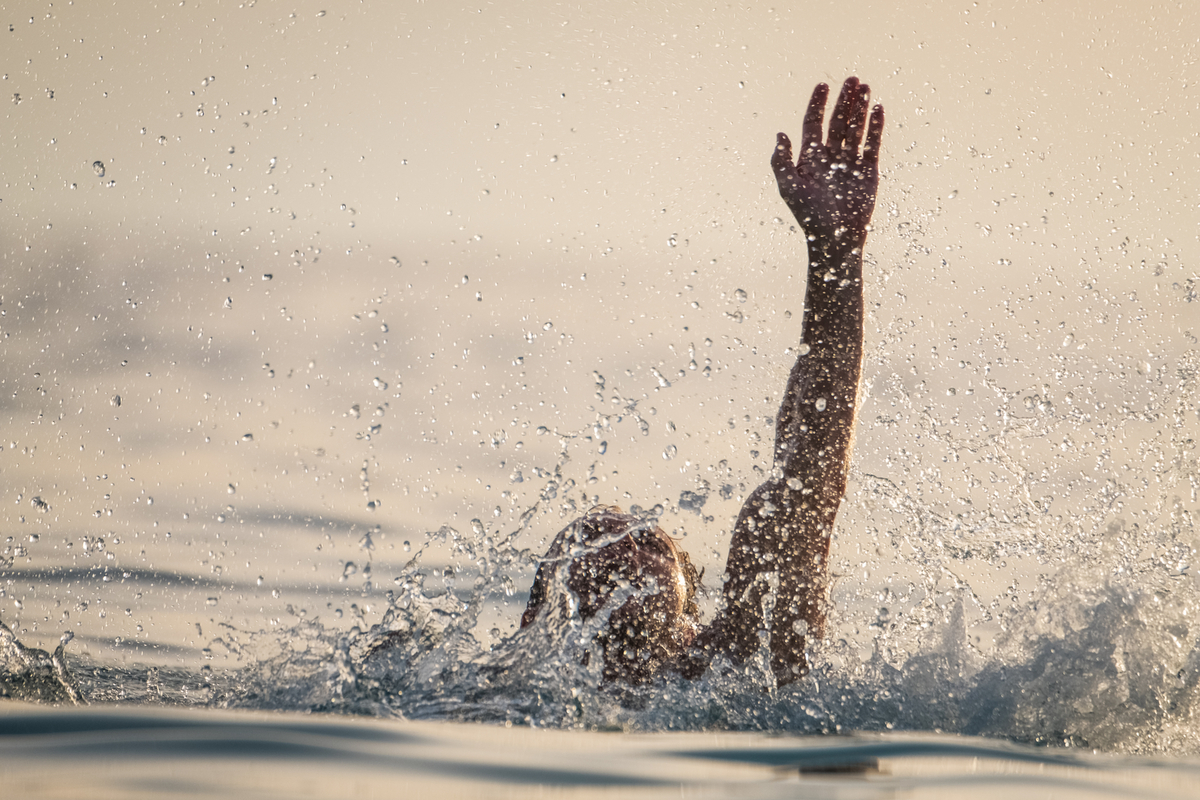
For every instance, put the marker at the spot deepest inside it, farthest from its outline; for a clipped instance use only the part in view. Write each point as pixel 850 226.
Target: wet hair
pixel 606 555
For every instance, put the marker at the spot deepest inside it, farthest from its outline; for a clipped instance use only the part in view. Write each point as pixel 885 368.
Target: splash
pixel 1101 651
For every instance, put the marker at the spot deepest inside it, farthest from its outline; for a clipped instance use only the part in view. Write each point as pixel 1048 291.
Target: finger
pixel 840 121
pixel 781 159
pixel 814 119
pixel 858 115
pixel 874 138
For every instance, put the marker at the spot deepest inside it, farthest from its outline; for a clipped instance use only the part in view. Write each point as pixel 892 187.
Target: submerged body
pixel 777 569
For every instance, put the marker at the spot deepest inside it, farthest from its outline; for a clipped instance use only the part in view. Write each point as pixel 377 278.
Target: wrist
pixel 836 246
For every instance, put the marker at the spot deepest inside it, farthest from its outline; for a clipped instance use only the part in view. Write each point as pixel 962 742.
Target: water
pixel 131 753
pixel 292 367
pixel 1048 635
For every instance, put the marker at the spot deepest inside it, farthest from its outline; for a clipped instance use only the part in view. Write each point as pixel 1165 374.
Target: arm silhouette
pixel 777 572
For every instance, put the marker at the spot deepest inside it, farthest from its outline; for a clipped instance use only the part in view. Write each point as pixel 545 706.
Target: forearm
pixel 819 404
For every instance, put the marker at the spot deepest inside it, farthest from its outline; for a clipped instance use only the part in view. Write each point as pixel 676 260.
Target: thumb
pixel 781 159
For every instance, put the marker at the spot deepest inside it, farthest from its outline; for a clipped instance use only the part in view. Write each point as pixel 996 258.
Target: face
pixel 608 555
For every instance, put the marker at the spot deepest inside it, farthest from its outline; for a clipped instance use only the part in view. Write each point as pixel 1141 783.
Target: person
pixel 777 572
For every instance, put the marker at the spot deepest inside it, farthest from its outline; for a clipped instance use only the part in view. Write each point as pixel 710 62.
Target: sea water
pixel 1041 640
pixel 1096 670
pixel 143 753
pixel 1080 676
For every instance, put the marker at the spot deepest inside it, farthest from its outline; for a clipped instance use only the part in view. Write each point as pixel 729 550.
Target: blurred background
pixel 289 292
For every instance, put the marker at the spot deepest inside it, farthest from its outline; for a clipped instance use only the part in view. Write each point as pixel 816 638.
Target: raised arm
pixel 777 576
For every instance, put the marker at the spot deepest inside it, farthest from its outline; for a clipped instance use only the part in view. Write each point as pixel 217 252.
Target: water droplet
pixel 98 168
pixel 804 349
pixel 212 601
pixel 820 404
pixel 162 140
pixel 247 437
pixel 231 489
pixel 740 295
pixel 116 401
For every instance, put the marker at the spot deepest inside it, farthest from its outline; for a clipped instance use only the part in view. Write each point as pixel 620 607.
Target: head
pixel 608 557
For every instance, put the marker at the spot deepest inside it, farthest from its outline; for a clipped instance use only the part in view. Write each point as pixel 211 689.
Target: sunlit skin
pixel 777 572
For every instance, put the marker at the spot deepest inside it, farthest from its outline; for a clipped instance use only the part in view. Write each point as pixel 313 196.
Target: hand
pixel 831 188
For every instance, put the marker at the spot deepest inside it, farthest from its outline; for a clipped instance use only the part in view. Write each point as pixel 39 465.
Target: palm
pixel 830 188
